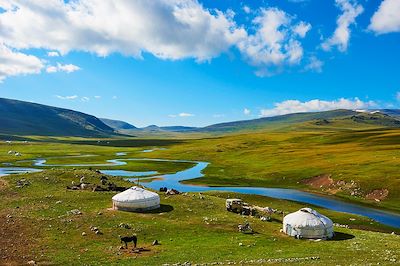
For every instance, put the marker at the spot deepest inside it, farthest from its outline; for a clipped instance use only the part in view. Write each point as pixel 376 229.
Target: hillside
pixel 117 124
pixel 336 118
pixel 25 118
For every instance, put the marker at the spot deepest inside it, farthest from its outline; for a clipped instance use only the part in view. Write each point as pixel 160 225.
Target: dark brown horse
pixel 127 239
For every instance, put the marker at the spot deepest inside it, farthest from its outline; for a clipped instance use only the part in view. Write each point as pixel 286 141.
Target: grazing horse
pixel 127 239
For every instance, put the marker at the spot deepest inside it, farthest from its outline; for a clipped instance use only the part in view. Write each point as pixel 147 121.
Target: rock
pixel 31 262
pixel 240 244
pixel 75 212
pixel 58 201
pixel 126 226
pixel 155 242
pixel 83 234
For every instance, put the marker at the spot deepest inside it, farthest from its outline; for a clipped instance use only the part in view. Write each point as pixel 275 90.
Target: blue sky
pixel 183 62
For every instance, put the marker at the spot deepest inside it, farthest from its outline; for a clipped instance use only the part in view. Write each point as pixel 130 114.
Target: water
pixel 16 170
pixel 173 181
pixel 128 173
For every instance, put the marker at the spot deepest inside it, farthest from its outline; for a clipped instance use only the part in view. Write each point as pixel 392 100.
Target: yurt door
pixel 288 229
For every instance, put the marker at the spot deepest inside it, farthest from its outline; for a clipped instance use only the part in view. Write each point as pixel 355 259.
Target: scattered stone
pixel 58 201
pixel 155 243
pixel 123 225
pixel 84 234
pixel 31 262
pixel 240 244
pixel 75 212
pixel 22 183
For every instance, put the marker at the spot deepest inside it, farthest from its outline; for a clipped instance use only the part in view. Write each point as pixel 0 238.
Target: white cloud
pixel 72 97
pixel 246 9
pixel 114 97
pixel 340 38
pixel 246 111
pixel 13 63
pixel 168 29
pixel 53 54
pixel 296 106
pixel 218 115
pixel 97 97
pixel 181 115
pixel 274 42
pixel 386 18
pixel 85 99
pixel 69 68
pixel 302 28
pixel 314 64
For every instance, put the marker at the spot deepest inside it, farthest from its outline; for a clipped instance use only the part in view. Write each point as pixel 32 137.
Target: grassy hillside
pixel 336 118
pixel 117 124
pixel 24 118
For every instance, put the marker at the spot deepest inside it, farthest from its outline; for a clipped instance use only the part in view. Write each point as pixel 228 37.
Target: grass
pixel 194 229
pixel 191 228
pixel 370 158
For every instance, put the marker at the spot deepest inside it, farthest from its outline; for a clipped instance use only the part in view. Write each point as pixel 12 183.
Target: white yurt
pixel 136 199
pixel 308 223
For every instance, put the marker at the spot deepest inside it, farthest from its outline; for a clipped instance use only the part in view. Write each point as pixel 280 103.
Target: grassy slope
pixel 283 159
pixel 191 229
pixel 25 118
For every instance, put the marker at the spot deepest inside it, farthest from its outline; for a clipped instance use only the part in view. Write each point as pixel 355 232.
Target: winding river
pixel 155 181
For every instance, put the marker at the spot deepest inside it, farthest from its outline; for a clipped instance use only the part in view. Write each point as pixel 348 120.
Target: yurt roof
pixel 135 194
pixel 307 217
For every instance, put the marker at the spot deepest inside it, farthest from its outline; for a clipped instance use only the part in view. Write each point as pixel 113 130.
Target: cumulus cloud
pixel 72 97
pixel 13 63
pixel 53 54
pixel 246 111
pixel 246 9
pixel 274 42
pixel 168 29
pixel 302 28
pixel 69 68
pixel 296 106
pixel 340 38
pixel 182 115
pixel 386 18
pixel 314 65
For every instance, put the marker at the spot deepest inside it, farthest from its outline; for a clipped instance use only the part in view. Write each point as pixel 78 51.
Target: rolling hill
pixel 25 118
pixel 335 118
pixel 117 124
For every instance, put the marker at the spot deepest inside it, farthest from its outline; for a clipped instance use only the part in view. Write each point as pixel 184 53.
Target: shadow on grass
pixel 163 208
pixel 339 236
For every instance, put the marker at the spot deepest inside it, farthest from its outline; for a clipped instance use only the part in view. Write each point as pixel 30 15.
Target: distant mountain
pixel 392 112
pixel 334 118
pixel 178 128
pixel 117 124
pixel 155 128
pixel 25 118
pixel 281 120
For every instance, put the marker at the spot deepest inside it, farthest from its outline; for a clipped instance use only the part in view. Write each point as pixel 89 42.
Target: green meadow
pixel 190 227
pixel 194 227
